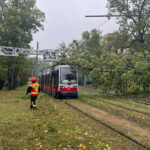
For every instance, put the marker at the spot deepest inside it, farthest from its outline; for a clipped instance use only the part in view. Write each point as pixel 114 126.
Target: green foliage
pixel 82 54
pixel 134 18
pixel 15 70
pixel 119 61
pixel 111 64
pixel 18 20
pixel 117 41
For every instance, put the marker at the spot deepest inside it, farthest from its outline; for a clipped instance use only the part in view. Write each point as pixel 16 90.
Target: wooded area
pixel 118 61
pixel 18 21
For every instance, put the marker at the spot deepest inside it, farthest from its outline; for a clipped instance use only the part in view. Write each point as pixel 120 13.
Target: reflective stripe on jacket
pixel 35 89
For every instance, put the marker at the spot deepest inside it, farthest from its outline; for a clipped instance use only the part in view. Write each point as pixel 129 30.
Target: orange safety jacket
pixel 35 89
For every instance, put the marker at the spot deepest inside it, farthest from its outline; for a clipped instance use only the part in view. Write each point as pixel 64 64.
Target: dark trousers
pixel 33 102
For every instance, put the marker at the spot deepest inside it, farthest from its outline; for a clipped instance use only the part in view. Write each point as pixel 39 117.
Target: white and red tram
pixel 61 81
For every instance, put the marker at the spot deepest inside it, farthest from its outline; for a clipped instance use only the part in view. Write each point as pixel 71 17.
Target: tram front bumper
pixel 68 93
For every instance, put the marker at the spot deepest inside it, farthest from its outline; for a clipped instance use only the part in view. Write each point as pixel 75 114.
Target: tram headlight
pixel 62 87
pixel 75 87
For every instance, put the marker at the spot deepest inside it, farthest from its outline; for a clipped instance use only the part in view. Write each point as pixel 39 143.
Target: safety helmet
pixel 33 79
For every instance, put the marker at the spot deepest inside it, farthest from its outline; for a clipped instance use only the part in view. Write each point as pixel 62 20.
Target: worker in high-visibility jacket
pixel 34 89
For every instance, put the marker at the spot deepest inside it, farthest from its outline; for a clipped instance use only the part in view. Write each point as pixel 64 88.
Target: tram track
pixel 110 127
pixel 115 95
pixel 127 108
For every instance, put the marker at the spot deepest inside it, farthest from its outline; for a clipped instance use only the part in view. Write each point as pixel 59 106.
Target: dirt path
pixel 128 127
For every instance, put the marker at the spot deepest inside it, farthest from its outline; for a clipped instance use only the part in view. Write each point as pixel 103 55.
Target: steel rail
pixel 113 129
pixel 114 95
pixel 127 108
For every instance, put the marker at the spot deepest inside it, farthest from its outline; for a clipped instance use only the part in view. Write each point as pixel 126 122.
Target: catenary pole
pixel 36 64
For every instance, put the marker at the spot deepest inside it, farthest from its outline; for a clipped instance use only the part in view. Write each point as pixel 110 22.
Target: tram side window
pixel 49 80
pixel 46 80
pixel 55 78
pixel 42 80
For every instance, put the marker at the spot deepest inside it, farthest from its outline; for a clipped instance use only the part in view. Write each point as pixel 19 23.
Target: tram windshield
pixel 68 75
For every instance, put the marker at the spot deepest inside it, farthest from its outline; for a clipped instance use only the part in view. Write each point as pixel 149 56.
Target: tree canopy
pixel 19 19
pixel 118 61
pixel 135 19
pixel 109 61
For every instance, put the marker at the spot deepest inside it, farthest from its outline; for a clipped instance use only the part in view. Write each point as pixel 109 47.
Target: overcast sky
pixel 65 21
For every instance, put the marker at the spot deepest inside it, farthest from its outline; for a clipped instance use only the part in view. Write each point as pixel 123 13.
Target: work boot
pixel 34 106
pixel 31 107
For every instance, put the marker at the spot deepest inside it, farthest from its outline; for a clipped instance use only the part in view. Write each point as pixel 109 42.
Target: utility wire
pixel 103 23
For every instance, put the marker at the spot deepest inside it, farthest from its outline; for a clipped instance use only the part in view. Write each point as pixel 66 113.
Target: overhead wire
pixel 103 23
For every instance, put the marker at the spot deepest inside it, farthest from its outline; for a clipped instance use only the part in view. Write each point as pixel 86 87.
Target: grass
pixel 116 100
pixel 140 119
pixel 52 127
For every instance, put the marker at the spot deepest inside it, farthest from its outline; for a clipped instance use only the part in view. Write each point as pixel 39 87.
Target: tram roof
pixel 60 66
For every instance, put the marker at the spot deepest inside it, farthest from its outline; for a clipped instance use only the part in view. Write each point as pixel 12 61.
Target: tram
pixel 61 81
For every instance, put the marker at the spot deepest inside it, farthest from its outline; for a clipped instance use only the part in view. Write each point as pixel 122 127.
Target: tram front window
pixel 68 75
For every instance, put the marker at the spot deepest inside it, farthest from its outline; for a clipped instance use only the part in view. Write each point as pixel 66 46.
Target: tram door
pixel 55 81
